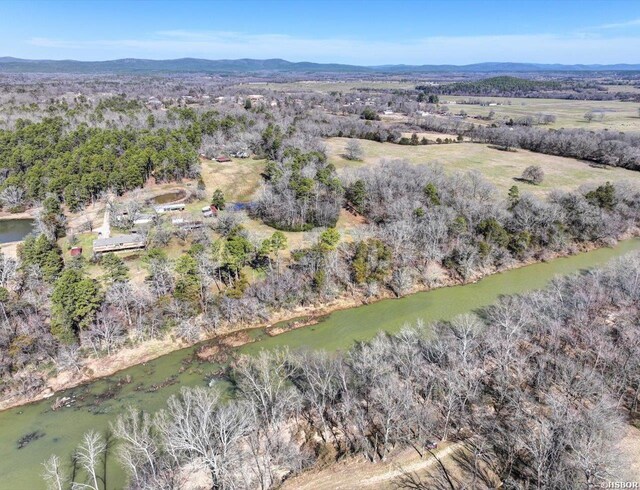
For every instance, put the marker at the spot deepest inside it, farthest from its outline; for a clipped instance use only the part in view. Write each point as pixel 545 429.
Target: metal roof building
pixel 116 243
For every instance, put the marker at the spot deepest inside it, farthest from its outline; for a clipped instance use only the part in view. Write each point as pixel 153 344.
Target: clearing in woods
pixel 502 168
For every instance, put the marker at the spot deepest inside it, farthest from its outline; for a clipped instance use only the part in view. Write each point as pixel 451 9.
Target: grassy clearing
pixel 499 167
pixel 618 116
pixel 239 179
pixel 628 89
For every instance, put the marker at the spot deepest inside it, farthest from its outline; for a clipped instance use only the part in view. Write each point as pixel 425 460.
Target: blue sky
pixel 359 32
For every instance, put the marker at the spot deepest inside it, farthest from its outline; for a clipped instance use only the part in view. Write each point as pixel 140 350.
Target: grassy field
pixel 499 167
pixel 619 116
pixel 238 179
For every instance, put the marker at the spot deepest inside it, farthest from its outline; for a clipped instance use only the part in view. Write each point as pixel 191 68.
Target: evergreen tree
pixel 356 194
pixel 218 199
pixel 52 215
pixel 278 242
pixel 74 303
pixel 188 285
pixel 41 253
pixel 329 240
pixel 115 268
pixel 514 196
pixel 604 196
pixel 431 193
pixel 371 262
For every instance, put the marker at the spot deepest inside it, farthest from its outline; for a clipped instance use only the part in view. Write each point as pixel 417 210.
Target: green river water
pixel 151 384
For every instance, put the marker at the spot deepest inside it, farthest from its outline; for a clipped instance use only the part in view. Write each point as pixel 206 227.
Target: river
pixel 151 384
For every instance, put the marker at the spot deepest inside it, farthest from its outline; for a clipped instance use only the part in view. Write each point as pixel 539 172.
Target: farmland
pixel 502 168
pixel 613 115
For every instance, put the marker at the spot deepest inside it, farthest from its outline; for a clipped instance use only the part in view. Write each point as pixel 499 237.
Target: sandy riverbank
pixel 28 214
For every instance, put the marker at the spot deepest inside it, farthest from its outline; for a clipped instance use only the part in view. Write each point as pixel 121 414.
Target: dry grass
pixel 239 179
pixel 500 167
pixel 430 135
pixel 629 448
pixel 618 116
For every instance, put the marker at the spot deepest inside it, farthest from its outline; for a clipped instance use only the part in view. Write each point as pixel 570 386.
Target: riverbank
pixel 28 214
pixel 10 249
pixel 281 322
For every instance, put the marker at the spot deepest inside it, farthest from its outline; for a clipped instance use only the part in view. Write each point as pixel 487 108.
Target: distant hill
pixel 196 65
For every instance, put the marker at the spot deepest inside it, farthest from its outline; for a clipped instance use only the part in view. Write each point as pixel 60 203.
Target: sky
pixel 373 32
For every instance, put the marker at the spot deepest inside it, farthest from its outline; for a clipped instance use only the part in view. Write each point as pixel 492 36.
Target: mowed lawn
pixel 617 115
pixel 500 167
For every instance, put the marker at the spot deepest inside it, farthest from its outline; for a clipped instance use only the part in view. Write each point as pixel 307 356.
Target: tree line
pixel 612 148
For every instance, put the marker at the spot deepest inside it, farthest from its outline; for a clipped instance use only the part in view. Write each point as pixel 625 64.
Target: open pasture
pixel 616 115
pixel 502 168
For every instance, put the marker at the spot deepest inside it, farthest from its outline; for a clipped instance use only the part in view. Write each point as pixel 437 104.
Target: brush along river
pixel 31 433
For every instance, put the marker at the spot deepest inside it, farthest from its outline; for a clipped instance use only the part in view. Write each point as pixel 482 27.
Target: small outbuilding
pixel 209 211
pixel 75 251
pixel 223 159
pixel 143 219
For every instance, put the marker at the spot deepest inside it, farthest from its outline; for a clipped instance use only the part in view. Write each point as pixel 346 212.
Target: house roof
pixel 117 240
pixel 169 207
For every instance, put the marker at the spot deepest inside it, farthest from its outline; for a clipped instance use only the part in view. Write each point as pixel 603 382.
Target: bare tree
pixel 54 475
pixel 533 174
pixel 353 150
pixel 199 425
pixel 90 455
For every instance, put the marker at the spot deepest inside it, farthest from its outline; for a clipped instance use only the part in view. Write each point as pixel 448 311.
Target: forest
pixel 424 226
pixel 502 85
pixel 530 392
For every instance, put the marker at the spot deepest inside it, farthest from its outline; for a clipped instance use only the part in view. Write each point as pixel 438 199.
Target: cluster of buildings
pixel 135 241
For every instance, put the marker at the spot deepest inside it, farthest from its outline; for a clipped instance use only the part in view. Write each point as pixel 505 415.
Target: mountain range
pixel 196 65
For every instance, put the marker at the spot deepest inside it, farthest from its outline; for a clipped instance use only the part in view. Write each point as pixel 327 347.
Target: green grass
pixel 84 240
